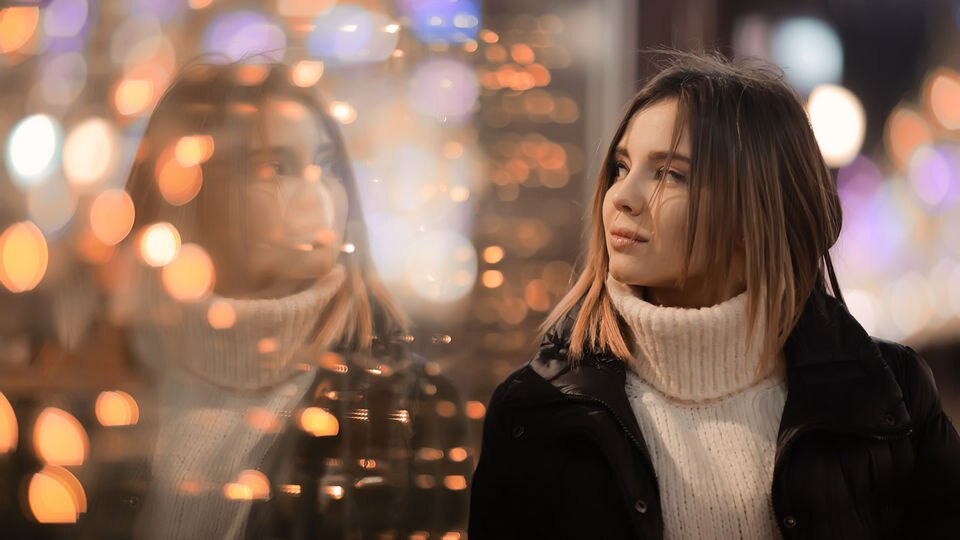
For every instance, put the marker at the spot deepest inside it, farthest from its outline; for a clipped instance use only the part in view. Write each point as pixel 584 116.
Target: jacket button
pixel 132 501
pixel 640 506
pixel 790 522
pixel 517 431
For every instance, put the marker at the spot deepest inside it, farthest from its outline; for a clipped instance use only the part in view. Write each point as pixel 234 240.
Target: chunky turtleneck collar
pixel 691 354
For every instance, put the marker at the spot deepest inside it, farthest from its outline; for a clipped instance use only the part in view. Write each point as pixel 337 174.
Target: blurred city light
pixel 838 121
pixel 809 51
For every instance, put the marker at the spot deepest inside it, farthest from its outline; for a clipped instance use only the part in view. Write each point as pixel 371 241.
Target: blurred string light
pixel 934 173
pixel 306 73
pixel 251 484
pixel 190 276
pixel 904 132
pixel 442 21
pixel 809 51
pixel 443 88
pixel 244 35
pixel 318 422
pixel 941 93
pixel 23 257
pixel 18 24
pixel 350 34
pixel 9 432
pixel 59 439
pixel 32 150
pixel 54 495
pixel 90 152
pixel 442 266
pixel 838 122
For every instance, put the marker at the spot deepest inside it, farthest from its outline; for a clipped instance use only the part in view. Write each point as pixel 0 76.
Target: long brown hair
pixel 227 102
pixel 755 153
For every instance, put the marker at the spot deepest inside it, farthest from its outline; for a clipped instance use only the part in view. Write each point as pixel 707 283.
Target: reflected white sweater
pixel 709 418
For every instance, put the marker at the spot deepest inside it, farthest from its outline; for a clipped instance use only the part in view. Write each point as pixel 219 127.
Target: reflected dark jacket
pixel 864 449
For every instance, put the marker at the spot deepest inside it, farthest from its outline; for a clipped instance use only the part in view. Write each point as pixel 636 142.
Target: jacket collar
pixel 836 376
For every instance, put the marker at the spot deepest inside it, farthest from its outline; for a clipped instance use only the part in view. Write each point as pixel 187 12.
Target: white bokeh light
pixel 809 51
pixel 838 121
pixel 32 150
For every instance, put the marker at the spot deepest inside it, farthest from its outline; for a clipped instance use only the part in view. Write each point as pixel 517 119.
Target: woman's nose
pixel 629 197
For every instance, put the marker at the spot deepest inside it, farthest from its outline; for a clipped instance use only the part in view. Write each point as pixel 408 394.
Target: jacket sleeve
pixel 491 515
pixel 934 501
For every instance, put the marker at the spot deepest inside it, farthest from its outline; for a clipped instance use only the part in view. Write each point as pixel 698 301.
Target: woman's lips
pixel 623 241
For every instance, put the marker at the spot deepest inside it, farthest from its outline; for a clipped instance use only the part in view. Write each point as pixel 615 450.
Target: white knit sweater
pixel 709 418
pixel 217 387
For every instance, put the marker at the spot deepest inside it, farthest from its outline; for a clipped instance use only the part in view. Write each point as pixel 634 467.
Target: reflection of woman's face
pixel 297 206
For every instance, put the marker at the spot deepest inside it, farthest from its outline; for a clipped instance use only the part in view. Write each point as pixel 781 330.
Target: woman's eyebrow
pixel 660 155
pixel 620 151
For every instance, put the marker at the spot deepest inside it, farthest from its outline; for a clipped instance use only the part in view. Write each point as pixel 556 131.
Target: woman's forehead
pixel 288 123
pixel 651 128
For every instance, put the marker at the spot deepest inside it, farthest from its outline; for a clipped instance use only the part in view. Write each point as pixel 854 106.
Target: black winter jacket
pixel 864 448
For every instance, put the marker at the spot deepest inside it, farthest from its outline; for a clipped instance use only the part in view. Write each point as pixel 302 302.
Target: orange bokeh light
pixel 111 216
pixel 9 432
pixel 178 184
pixel 17 26
pixel 193 150
pixel 56 496
pixel 319 422
pixel 23 257
pixel 905 131
pixel 117 408
pixel 189 277
pixel 59 439
pixel 306 73
pixel 942 94
pixel 133 96
pixel 221 315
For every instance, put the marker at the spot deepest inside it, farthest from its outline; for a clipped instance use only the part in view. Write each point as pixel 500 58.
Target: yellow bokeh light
pixel 252 74
pixel 23 257
pixel 17 26
pixel 306 73
pixel 9 432
pixel 235 491
pixel 446 408
pixel 133 96
pixel 178 184
pixel 59 439
pixel 221 315
pixel 111 216
pixel 193 150
pixel 200 4
pixel 159 244
pixel 343 112
pixel 455 482
pixel 493 254
pixel 189 277
pixel 319 422
pixel 904 132
pixel 492 279
pixel 56 496
pixel 535 294
pixel 116 408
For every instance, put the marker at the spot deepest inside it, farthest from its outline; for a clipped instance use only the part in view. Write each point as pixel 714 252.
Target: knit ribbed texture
pixel 212 423
pixel 709 420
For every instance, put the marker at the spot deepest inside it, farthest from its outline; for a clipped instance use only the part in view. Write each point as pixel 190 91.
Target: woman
pixel 260 430
pixel 698 380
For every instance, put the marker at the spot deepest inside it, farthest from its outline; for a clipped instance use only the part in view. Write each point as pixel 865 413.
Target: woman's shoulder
pixel 913 375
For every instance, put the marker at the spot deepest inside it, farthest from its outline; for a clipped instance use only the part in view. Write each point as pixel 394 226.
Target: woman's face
pixel 646 237
pixel 297 206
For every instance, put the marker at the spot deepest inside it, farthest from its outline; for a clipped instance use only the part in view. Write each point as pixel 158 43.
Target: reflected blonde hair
pixel 227 101
pixel 755 153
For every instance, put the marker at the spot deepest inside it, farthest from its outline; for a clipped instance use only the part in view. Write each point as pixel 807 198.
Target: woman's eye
pixel 675 175
pixel 620 169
